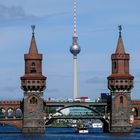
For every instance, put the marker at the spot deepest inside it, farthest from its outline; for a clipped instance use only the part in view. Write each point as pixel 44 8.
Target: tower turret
pixel 120 83
pixel 33 80
pixel 33 83
pixel 120 79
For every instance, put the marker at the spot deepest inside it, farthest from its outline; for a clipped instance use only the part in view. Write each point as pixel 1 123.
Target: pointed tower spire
pixel 33 48
pixel 120 47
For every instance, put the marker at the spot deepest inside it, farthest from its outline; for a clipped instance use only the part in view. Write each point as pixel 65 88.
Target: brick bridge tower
pixel 120 83
pixel 33 83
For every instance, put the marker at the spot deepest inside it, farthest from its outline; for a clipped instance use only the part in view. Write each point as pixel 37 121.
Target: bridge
pixel 11 113
pixel 98 112
pixel 76 117
pixel 118 114
pixel 99 109
pixel 136 113
pixel 94 106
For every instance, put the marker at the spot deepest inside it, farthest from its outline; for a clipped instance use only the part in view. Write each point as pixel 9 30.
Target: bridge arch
pixel 135 111
pixel 10 113
pixel 81 106
pixel 101 116
pixel 2 113
pixel 18 113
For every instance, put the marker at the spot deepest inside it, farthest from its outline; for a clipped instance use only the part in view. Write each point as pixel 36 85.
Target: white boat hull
pixel 97 125
pixel 83 131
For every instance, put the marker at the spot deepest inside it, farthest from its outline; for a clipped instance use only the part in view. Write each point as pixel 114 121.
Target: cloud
pixel 58 75
pixel 11 93
pixel 16 15
pixel 14 12
pixel 95 80
pixel 18 12
pixel 57 14
pixel 9 89
pixel 136 75
pixel 52 90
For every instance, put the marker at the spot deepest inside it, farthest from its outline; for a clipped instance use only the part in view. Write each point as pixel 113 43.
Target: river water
pixel 65 134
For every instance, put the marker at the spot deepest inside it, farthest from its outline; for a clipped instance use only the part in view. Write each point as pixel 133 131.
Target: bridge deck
pixel 54 103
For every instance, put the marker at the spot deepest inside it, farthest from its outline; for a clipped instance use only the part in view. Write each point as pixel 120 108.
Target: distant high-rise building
pixel 75 49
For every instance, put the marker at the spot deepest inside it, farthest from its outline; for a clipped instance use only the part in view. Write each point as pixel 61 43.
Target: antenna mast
pixel 75 18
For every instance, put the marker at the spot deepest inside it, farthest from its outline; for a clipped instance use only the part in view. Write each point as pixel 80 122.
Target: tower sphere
pixel 75 48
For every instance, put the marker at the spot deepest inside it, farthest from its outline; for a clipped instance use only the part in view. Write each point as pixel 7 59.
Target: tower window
pixel 115 65
pixel 121 99
pixel 33 100
pixel 33 67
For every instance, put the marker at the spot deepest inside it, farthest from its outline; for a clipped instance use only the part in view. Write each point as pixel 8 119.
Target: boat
pixel 97 125
pixel 82 129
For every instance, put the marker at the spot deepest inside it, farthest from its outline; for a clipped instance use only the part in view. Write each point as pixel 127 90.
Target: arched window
pixel 10 113
pixel 18 113
pixel 115 65
pixel 33 67
pixel 2 113
pixel 121 99
pixel 33 100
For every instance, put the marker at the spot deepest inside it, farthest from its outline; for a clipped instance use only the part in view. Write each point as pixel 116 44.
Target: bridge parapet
pixel 10 102
pixel 135 102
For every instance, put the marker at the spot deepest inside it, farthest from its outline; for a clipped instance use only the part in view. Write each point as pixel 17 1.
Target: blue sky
pixel 97 22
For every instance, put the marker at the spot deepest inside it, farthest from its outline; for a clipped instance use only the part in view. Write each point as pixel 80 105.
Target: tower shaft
pixel 75 83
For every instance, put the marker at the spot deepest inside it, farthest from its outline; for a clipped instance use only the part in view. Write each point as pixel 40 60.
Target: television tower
pixel 75 49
